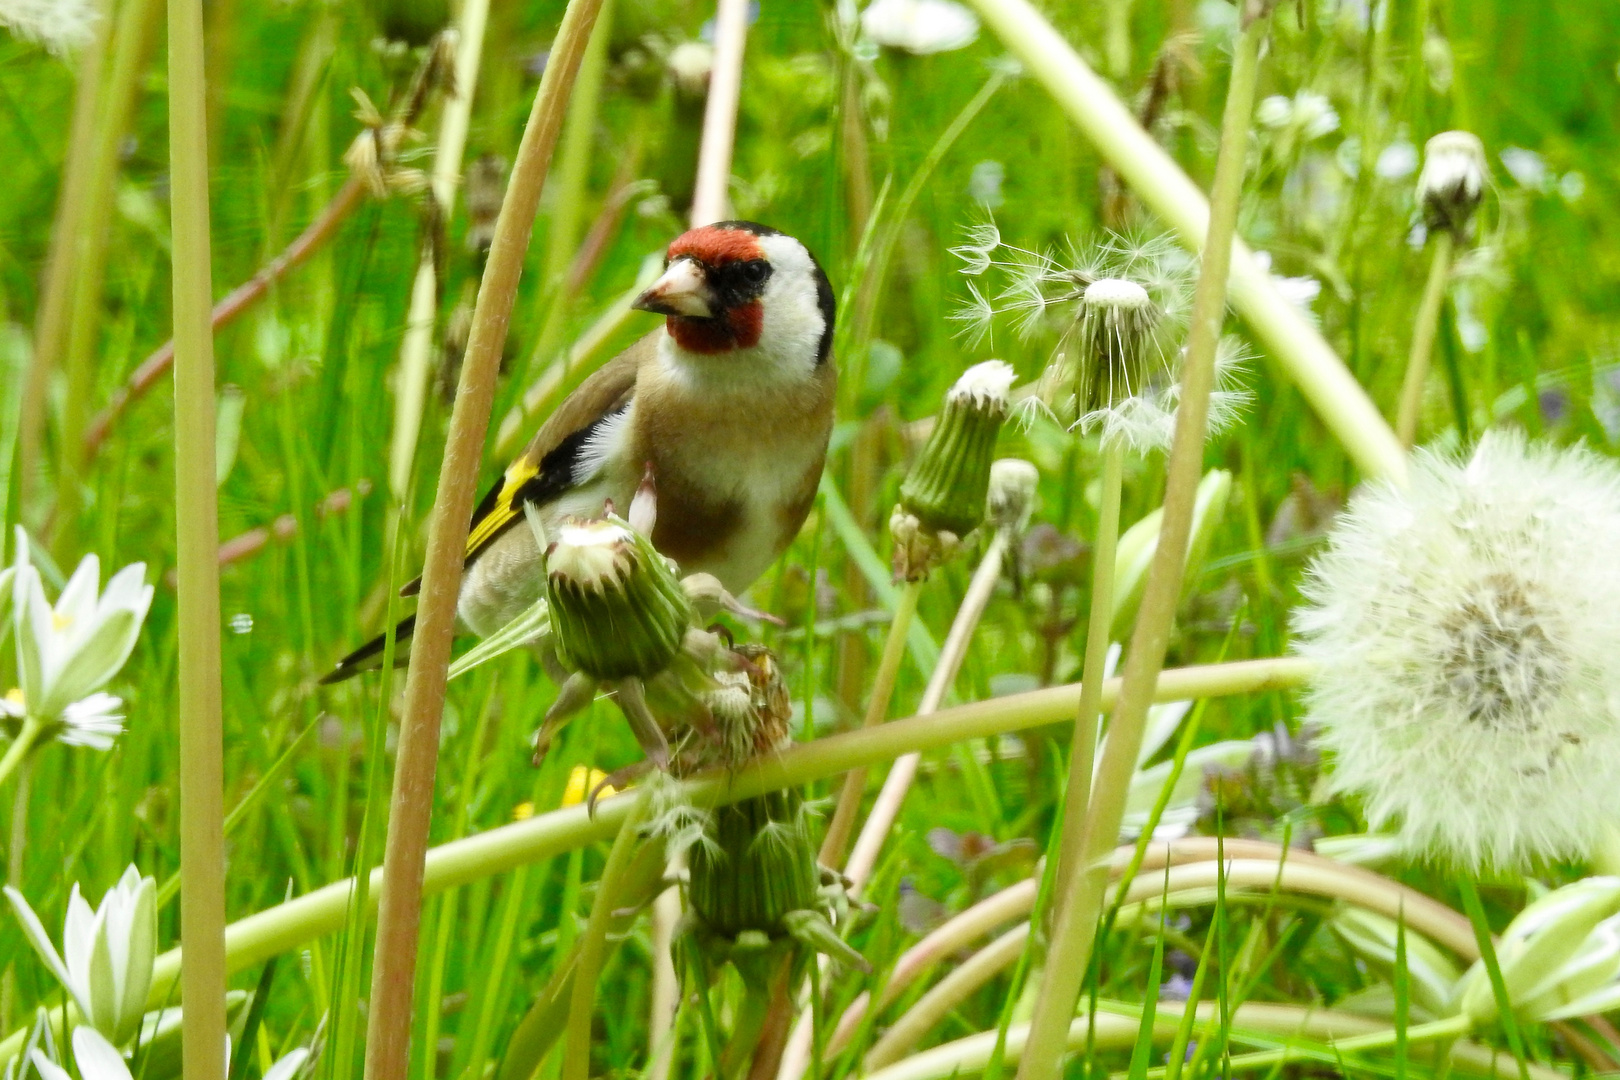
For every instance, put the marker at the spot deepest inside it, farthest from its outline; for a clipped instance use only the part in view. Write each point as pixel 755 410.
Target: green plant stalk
pixel 62 261
pixel 1142 163
pixel 835 843
pixel 410 393
pixel 202 779
pixel 133 38
pixel 27 738
pixel 878 267
pixel 1076 925
pixel 711 194
pixel 555 298
pixel 593 945
pixel 256 938
pixel 400 908
pixel 1117 1026
pixel 544 1023
pixel 1423 334
pixel 1440 1031
pixel 1083 747
pixel 880 822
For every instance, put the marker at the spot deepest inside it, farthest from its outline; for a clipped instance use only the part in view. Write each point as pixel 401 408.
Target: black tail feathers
pixel 369 656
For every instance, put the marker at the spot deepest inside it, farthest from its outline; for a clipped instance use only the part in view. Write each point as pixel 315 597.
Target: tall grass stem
pixel 836 842
pixel 202 779
pixel 711 197
pixel 411 807
pixel 1077 921
pixel 410 391
pixel 62 260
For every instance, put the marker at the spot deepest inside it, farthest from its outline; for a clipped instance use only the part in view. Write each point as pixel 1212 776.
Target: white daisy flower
pixel 1466 630
pixel 69 650
pixel 59 25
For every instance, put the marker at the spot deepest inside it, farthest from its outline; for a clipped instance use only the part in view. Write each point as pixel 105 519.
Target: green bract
pixel 617 609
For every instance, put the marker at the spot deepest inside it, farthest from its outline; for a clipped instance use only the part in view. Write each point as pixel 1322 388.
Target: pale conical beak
pixel 683 290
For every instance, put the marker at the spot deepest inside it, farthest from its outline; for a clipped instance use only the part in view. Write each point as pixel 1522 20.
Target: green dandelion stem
pixel 593 945
pixel 1423 335
pixel 1082 748
pixel 1076 925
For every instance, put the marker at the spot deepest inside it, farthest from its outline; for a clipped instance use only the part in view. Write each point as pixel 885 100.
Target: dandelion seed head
pixel 1466 630
pixel 59 25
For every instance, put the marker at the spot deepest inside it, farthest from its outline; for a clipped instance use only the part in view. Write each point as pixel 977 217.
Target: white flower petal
pixel 97 1058
pixel 288 1066
pixel 37 937
pixel 47 1069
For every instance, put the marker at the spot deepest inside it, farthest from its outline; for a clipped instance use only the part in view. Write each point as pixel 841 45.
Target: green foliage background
pixel 1530 341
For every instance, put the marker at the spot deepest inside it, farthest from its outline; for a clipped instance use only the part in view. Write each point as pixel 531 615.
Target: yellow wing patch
pixel 504 511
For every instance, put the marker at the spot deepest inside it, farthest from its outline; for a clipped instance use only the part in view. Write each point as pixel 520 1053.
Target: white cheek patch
pixel 607 443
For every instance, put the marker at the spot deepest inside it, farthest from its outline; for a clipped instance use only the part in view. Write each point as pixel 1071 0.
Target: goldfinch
pixel 729 406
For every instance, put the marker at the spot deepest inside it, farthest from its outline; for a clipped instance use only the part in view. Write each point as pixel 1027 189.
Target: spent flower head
pixel 943 496
pixel 1116 312
pixel 107 954
pixel 1465 630
pixel 616 617
pixel 1452 181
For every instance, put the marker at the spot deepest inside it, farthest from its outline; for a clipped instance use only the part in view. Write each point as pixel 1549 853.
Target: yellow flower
pixel 581 782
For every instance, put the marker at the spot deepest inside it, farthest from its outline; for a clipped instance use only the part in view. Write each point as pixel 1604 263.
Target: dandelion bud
pixel 690 64
pixel 1012 493
pixel 616 608
pixel 1117 321
pixel 943 497
pixel 1452 181
pixel 755 883
pixel 1465 630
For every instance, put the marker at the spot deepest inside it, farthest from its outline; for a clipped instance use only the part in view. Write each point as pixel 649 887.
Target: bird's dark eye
pixel 755 271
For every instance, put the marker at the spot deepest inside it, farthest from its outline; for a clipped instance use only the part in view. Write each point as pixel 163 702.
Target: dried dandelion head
pixel 1467 630
pixel 1116 311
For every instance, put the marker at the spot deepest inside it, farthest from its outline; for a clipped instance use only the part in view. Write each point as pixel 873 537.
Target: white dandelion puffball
pixel 1468 632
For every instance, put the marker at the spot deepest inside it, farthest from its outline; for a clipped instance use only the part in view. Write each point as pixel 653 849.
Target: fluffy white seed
pixel 1467 630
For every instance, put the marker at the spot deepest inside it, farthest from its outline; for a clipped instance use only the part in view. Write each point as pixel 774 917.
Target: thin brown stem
pixel 400 906
pixel 228 310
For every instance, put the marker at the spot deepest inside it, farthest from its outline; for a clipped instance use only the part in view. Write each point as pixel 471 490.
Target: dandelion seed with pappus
pixel 1466 630
pixel 1117 312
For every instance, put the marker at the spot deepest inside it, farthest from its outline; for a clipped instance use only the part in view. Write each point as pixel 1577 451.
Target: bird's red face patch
pixel 716 247
pixel 736 325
